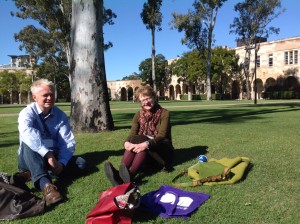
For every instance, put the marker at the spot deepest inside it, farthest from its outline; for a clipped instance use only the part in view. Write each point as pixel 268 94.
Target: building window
pixel 286 58
pixel 270 60
pixel 258 61
pixel 291 57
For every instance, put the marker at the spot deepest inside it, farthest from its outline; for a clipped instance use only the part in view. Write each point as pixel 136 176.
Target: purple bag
pixel 169 202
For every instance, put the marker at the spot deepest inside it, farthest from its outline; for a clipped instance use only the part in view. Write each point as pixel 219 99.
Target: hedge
pixel 281 95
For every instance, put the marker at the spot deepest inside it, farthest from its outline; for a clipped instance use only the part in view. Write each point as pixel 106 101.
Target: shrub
pixel 186 97
pixel 160 98
pixel 281 95
pixel 204 96
pixel 221 96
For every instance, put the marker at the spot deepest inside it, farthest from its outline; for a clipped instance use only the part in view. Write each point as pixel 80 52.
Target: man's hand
pixel 55 166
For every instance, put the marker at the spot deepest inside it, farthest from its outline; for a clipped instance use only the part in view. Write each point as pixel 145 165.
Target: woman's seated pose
pixel 149 140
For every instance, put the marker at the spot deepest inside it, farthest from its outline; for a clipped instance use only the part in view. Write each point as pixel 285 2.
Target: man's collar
pixel 40 112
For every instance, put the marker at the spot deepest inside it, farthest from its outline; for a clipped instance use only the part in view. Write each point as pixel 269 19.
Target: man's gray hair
pixel 36 84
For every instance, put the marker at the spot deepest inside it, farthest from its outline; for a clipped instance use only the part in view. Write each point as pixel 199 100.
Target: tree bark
pixel 153 61
pixel 90 110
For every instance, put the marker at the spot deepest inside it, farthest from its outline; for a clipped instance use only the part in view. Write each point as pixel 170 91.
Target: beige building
pixel 277 67
pixel 277 64
pixel 19 63
pixel 123 90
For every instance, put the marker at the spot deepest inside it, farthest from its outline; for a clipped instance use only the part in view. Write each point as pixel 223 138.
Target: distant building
pixel 241 43
pixel 123 90
pixel 277 65
pixel 19 63
pixel 277 68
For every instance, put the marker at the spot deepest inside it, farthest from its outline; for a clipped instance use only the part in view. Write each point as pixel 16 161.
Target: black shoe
pixel 124 173
pixel 112 174
pixel 24 175
pixel 167 168
pixel 19 179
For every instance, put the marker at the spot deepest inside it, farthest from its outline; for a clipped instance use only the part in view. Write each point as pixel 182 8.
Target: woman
pixel 149 138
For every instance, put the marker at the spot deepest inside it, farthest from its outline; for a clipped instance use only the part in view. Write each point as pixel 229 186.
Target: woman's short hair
pixel 36 84
pixel 145 91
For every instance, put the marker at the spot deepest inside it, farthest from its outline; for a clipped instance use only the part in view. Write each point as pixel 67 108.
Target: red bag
pixel 115 205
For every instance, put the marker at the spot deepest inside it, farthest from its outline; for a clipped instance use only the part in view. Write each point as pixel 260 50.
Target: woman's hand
pixel 136 147
pixel 140 147
pixel 128 146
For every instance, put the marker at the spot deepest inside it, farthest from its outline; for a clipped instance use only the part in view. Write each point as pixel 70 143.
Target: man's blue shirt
pixel 44 134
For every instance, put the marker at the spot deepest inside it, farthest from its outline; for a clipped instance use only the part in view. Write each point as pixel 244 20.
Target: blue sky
pixel 131 39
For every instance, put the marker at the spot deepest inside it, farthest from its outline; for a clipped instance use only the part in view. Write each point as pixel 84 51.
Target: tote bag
pixel 115 205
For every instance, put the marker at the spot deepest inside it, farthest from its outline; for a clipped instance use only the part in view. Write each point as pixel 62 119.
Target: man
pixel 47 143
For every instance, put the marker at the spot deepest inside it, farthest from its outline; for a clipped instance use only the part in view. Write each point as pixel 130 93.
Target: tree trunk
pixel 211 26
pixel 248 83
pixel 255 84
pixel 28 96
pixel 153 61
pixel 90 110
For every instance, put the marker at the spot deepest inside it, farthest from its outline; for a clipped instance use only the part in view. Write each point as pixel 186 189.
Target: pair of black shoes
pixel 117 177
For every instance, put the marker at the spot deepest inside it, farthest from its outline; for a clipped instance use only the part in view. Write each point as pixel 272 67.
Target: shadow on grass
pixel 186 154
pixel 9 139
pixel 8 144
pixel 234 113
pixel 143 217
pixel 226 115
pixel 93 159
pixel 180 156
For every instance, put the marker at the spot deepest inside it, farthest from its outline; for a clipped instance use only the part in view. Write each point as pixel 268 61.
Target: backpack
pixel 15 202
pixel 222 171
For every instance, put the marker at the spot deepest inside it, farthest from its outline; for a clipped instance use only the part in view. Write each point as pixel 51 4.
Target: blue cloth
pixel 170 202
pixel 58 131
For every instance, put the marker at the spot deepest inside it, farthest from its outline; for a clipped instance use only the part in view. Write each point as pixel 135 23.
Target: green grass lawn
pixel 267 133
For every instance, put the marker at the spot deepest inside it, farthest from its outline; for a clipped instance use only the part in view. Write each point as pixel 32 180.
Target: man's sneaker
pixel 112 174
pixel 51 195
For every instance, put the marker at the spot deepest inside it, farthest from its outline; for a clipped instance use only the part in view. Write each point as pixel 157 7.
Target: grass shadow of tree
pixel 93 159
pixel 186 154
pixel 180 156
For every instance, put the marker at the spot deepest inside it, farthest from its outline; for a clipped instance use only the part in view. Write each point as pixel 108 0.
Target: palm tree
pixel 152 18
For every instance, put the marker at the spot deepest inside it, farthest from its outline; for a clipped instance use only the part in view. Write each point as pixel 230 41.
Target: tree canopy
pixel 50 41
pixel 133 76
pixel 198 26
pixel 225 67
pixel 53 43
pixel 251 25
pixel 189 67
pixel 12 84
pixel 145 69
pixel 254 18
